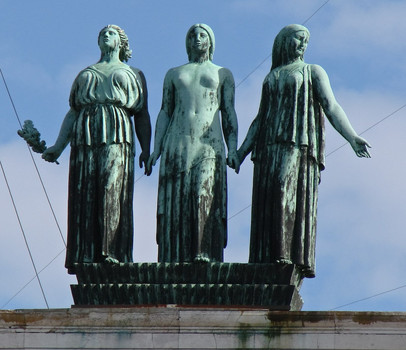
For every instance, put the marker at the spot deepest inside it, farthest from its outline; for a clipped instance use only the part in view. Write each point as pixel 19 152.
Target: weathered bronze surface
pixel 233 284
pixel 192 194
pixel 100 130
pixel 287 143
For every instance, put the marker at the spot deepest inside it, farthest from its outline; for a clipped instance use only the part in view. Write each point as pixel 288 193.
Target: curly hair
pixel 125 52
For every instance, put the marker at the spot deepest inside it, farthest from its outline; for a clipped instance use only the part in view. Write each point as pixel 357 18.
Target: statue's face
pixel 109 39
pixel 298 43
pixel 199 40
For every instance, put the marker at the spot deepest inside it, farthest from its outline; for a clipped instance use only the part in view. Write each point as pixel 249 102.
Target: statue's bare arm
pixel 229 118
pixel 51 154
pixel 142 123
pixel 163 120
pixel 249 141
pixel 334 112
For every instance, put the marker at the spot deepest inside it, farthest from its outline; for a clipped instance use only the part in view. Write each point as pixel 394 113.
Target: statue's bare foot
pixel 201 258
pixel 110 260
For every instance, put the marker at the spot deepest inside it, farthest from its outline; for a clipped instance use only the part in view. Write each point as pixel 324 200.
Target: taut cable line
pixel 32 279
pixel 370 297
pixel 338 148
pixel 139 178
pixel 22 231
pixel 269 56
pixel 33 160
pixel 236 214
pixel 308 19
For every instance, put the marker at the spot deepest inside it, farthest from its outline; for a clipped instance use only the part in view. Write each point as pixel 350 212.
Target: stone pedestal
pixel 224 284
pixel 199 328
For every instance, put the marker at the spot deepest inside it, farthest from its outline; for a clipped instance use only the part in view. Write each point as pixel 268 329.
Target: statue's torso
pixel 194 132
pixel 105 97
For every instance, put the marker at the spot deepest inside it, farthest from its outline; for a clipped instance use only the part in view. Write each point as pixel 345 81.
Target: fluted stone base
pixel 224 284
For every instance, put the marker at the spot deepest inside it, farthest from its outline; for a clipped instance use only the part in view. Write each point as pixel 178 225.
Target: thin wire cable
pixel 239 212
pixel 22 231
pixel 242 210
pixel 269 56
pixel 369 128
pixel 139 178
pixel 370 297
pixel 32 279
pixel 335 150
pixel 315 12
pixel 33 160
pixel 252 72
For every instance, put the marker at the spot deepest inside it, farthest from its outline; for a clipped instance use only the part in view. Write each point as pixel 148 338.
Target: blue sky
pixel 360 243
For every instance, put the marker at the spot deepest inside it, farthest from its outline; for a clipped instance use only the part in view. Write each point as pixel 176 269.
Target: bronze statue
pixel 287 143
pixel 99 127
pixel 192 194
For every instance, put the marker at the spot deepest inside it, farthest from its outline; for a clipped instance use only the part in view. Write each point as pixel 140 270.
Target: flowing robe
pixel 288 157
pixel 101 175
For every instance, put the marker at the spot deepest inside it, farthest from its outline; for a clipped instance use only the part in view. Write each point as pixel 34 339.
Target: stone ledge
pixel 202 328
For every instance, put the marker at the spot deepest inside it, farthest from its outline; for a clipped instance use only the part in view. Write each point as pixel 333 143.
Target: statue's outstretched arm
pixel 335 113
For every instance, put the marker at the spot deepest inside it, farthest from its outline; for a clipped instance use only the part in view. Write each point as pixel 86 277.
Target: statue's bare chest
pixel 197 78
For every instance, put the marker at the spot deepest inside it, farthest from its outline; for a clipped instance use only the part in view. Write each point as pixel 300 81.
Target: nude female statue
pixel 192 194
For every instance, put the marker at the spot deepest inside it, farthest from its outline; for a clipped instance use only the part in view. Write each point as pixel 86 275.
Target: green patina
pixel 99 127
pixel 287 143
pixel 189 134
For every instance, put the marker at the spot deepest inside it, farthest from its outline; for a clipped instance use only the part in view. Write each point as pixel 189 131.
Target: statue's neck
pixel 112 56
pixel 199 58
pixel 294 60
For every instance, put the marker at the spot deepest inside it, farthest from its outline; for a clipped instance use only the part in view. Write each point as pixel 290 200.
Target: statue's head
pixel 209 32
pixel 283 50
pixel 125 52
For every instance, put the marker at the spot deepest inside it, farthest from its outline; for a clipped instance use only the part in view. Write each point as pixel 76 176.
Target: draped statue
pixel 107 100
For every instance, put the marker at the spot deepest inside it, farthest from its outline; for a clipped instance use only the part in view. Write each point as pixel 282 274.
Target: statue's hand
pixel 233 161
pixel 51 154
pixel 143 160
pixel 151 162
pixel 240 156
pixel 360 147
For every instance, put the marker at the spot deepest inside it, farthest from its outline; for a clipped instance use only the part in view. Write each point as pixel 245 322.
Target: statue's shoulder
pixel 173 73
pixel 318 73
pixel 223 72
pixel 138 73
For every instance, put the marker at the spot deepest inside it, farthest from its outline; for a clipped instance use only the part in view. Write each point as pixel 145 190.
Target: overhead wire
pixel 239 212
pixel 263 61
pixel 23 233
pixel 335 150
pixel 339 147
pixel 33 160
pixel 370 127
pixel 33 278
pixel 308 19
pixel 370 297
